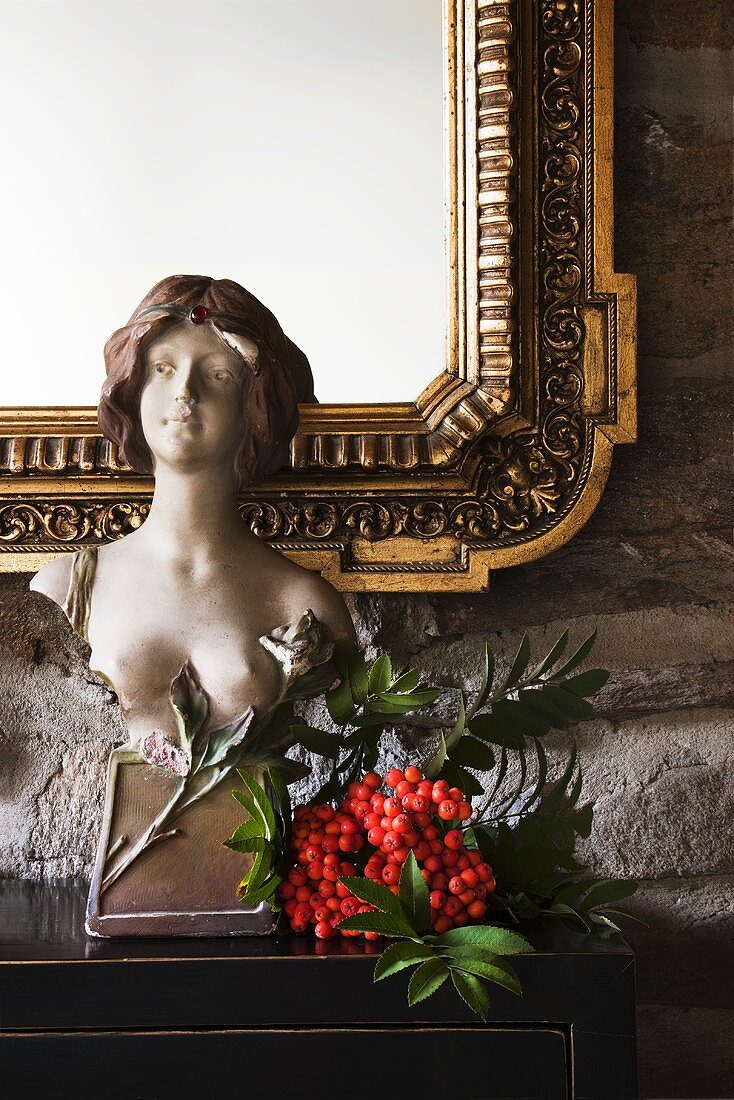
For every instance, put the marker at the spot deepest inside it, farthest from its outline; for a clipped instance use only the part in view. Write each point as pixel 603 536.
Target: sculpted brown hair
pixel 271 392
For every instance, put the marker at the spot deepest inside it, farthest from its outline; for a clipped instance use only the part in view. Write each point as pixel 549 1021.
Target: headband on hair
pixel 199 314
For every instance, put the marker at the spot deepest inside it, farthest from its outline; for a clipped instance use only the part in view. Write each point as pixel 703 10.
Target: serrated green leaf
pixel 265 891
pixel 554 654
pixel 493 969
pixel 472 991
pixel 261 800
pixel 587 683
pixel 492 728
pixel 471 753
pixel 578 657
pixel 283 799
pixel 340 704
pixel 385 924
pixel 429 977
pixel 432 766
pixel 411 700
pixel 407 682
pixel 489 937
pixel 249 805
pixel 380 675
pixel 414 894
pixel 375 893
pixel 466 782
pixel 459 724
pixel 487 680
pixel 248 829
pixel 251 844
pixel 606 892
pixel 357 676
pixel 572 705
pixel 398 956
pixel 541 706
pixel 316 740
pixel 519 665
pixel 554 796
pixel 520 717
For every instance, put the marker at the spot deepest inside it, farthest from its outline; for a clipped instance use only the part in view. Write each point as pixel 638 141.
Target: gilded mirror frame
pixel 505 455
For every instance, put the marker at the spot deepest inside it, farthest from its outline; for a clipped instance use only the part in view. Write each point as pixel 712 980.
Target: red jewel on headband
pixel 198 315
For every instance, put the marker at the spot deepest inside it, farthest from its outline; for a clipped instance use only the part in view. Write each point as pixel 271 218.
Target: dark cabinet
pixel 285 1017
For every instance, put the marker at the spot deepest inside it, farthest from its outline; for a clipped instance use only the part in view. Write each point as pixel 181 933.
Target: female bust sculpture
pixel 202 391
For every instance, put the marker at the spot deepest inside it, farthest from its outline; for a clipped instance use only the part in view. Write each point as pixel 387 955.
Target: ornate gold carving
pixel 504 455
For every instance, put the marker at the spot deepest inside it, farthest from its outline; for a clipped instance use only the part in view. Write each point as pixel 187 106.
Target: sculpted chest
pixel 142 633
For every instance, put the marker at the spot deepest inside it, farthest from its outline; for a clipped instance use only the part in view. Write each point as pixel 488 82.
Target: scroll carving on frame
pixel 504 455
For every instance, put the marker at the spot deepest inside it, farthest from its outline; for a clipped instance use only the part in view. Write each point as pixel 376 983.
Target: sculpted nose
pixel 185 393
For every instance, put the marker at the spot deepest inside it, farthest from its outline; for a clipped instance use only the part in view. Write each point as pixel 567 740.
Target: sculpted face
pixel 191 402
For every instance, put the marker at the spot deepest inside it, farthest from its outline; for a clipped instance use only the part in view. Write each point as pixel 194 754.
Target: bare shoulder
pixel 309 591
pixel 53 579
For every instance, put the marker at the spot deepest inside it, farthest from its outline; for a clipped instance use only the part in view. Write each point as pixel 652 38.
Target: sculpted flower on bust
pixel 158 749
pixel 299 647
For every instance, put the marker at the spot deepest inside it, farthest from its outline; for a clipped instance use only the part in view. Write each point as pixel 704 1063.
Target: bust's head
pixel 203 366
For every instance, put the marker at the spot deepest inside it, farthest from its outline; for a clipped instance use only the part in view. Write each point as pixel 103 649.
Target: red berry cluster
pixel 393 825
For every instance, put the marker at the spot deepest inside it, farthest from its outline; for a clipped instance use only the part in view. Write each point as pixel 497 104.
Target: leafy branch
pixel 267 835
pixel 471 956
pixel 365 701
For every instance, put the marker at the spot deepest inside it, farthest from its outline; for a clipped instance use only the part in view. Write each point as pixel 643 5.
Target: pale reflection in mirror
pixel 294 145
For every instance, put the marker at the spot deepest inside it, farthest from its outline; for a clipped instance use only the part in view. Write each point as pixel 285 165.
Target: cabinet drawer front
pixel 450 1062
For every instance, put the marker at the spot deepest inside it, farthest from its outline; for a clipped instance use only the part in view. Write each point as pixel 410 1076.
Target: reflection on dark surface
pixel 44 921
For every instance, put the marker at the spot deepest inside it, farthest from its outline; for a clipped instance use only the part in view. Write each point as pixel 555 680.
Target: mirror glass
pixel 293 145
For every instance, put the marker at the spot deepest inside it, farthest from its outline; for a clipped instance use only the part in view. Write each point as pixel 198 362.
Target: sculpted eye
pixel 222 375
pixel 162 368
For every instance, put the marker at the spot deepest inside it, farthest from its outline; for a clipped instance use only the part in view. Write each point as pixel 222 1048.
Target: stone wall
pixel 653 571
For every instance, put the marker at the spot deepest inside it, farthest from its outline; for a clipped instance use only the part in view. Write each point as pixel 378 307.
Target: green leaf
pixel 340 704
pixel 357 676
pixel 418 698
pixel 375 893
pixel 432 766
pixel 247 802
pixel 487 680
pixel 281 794
pixel 491 967
pixel 607 892
pixel 385 924
pixel 261 800
pixel 252 844
pixel 459 725
pixel 472 753
pixel 463 779
pixel 407 682
pixel 551 657
pixel 398 956
pixel 316 740
pixel 490 937
pixel 492 728
pixel 265 891
pixel 519 665
pixel 553 797
pixel 414 894
pixel 578 657
pixel 521 717
pixel 570 704
pixel 247 830
pixel 380 675
pixel 587 683
pixel 471 990
pixel 429 977
pixel 542 707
